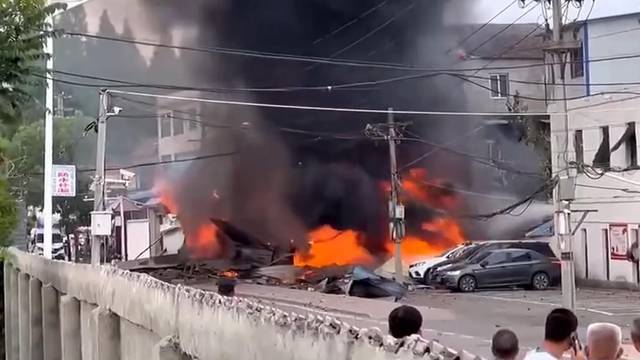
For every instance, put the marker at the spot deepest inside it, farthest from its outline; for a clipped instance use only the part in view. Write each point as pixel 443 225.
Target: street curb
pixel 306 304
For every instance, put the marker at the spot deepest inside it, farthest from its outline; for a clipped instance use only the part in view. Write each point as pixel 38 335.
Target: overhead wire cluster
pixel 373 132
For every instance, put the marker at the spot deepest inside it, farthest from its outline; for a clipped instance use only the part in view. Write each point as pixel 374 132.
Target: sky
pixel 486 9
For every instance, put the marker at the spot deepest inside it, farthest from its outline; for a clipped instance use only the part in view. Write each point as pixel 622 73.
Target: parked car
pixel 504 267
pixel 418 269
pixel 36 243
pixel 476 248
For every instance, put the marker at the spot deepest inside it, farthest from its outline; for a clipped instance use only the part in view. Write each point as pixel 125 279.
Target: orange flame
pixel 332 247
pixel 329 246
pixel 203 242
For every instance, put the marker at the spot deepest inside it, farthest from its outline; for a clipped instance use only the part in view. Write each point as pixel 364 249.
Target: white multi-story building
pixel 180 130
pixel 601 139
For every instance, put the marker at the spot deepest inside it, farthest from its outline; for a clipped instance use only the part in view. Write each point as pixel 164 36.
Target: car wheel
pixel 426 277
pixel 467 283
pixel 540 281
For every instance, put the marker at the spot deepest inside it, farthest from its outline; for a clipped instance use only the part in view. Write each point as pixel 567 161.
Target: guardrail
pixel 60 310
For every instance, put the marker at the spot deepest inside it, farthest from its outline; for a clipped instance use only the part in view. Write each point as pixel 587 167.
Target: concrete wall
pixel 615 196
pixel 108 313
pixel 613 37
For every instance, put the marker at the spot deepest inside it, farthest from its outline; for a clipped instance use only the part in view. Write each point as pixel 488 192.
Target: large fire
pixel 329 246
pixel 202 239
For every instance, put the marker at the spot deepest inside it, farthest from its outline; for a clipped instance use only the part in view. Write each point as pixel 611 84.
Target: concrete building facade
pixel 602 143
pixel 600 146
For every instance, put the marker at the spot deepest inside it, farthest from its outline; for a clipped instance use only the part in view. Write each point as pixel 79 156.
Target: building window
pixel 178 126
pixel 193 115
pixel 585 244
pixel 494 151
pixel 579 147
pixel 165 125
pixel 603 155
pixel 631 146
pixel 499 86
pixel 628 139
pixel 577 63
pixel 166 158
pixel 605 240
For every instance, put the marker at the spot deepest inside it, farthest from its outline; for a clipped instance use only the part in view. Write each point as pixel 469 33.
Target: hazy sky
pixel 486 9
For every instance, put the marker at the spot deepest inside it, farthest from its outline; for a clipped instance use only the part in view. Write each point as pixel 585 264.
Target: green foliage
pixel 23 33
pixel 8 213
pixel 532 131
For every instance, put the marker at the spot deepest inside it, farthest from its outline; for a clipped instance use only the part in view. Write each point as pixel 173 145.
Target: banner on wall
pixel 619 244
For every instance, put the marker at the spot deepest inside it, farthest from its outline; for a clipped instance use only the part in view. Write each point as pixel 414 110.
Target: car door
pixel 520 267
pixel 491 270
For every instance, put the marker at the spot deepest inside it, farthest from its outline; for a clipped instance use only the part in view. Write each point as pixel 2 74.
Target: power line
pixel 371 33
pixel 351 22
pixel 482 160
pixel 328 88
pixel 533 31
pixel 320 108
pixel 321 60
pixel 547 186
pixel 434 150
pixel 466 38
pixel 502 30
pixel 154 163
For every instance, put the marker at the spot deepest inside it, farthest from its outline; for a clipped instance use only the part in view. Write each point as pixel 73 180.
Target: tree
pixel 532 131
pixel 24 153
pixel 23 32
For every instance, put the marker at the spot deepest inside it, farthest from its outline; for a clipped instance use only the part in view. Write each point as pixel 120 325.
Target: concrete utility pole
pixel 396 210
pixel 47 208
pixel 99 178
pixel 565 191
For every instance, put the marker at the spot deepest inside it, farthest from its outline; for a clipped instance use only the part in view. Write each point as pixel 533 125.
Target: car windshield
pixel 478 257
pixel 467 251
pixel 56 238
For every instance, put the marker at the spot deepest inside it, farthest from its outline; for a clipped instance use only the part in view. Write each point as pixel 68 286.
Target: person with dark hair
pixel 404 321
pixel 227 287
pixel 559 337
pixel 635 333
pixel 504 345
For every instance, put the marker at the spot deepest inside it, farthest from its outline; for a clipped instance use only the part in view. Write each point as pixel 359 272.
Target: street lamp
pixel 47 211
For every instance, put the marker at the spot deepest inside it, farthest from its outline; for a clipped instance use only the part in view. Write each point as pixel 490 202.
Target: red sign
pixel 64 180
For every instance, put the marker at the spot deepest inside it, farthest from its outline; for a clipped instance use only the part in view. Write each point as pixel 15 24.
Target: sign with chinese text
pixel 619 244
pixel 64 180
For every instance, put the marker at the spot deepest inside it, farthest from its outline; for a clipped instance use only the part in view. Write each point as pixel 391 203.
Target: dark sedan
pixel 498 268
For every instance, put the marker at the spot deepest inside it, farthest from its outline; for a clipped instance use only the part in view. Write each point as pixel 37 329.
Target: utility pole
pixel 47 209
pixel 99 182
pixel 565 191
pixel 396 210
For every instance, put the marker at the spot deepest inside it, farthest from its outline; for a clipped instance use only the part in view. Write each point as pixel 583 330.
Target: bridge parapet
pixel 108 313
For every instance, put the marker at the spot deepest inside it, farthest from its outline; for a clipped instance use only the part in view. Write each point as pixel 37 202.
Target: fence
pixel 60 310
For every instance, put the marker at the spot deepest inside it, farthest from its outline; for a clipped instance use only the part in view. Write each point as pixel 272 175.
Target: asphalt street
pixel 461 321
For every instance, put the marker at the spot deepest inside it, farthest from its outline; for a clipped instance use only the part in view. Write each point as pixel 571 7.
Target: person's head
pixel 604 342
pixel 404 321
pixel 560 326
pixel 635 333
pixel 504 345
pixel 227 287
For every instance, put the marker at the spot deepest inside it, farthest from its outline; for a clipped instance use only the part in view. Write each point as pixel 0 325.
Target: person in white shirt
pixel 604 342
pixel 559 337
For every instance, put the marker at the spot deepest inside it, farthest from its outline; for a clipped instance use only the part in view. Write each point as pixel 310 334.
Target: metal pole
pixel 123 243
pixel 395 212
pixel 99 180
pixel 47 209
